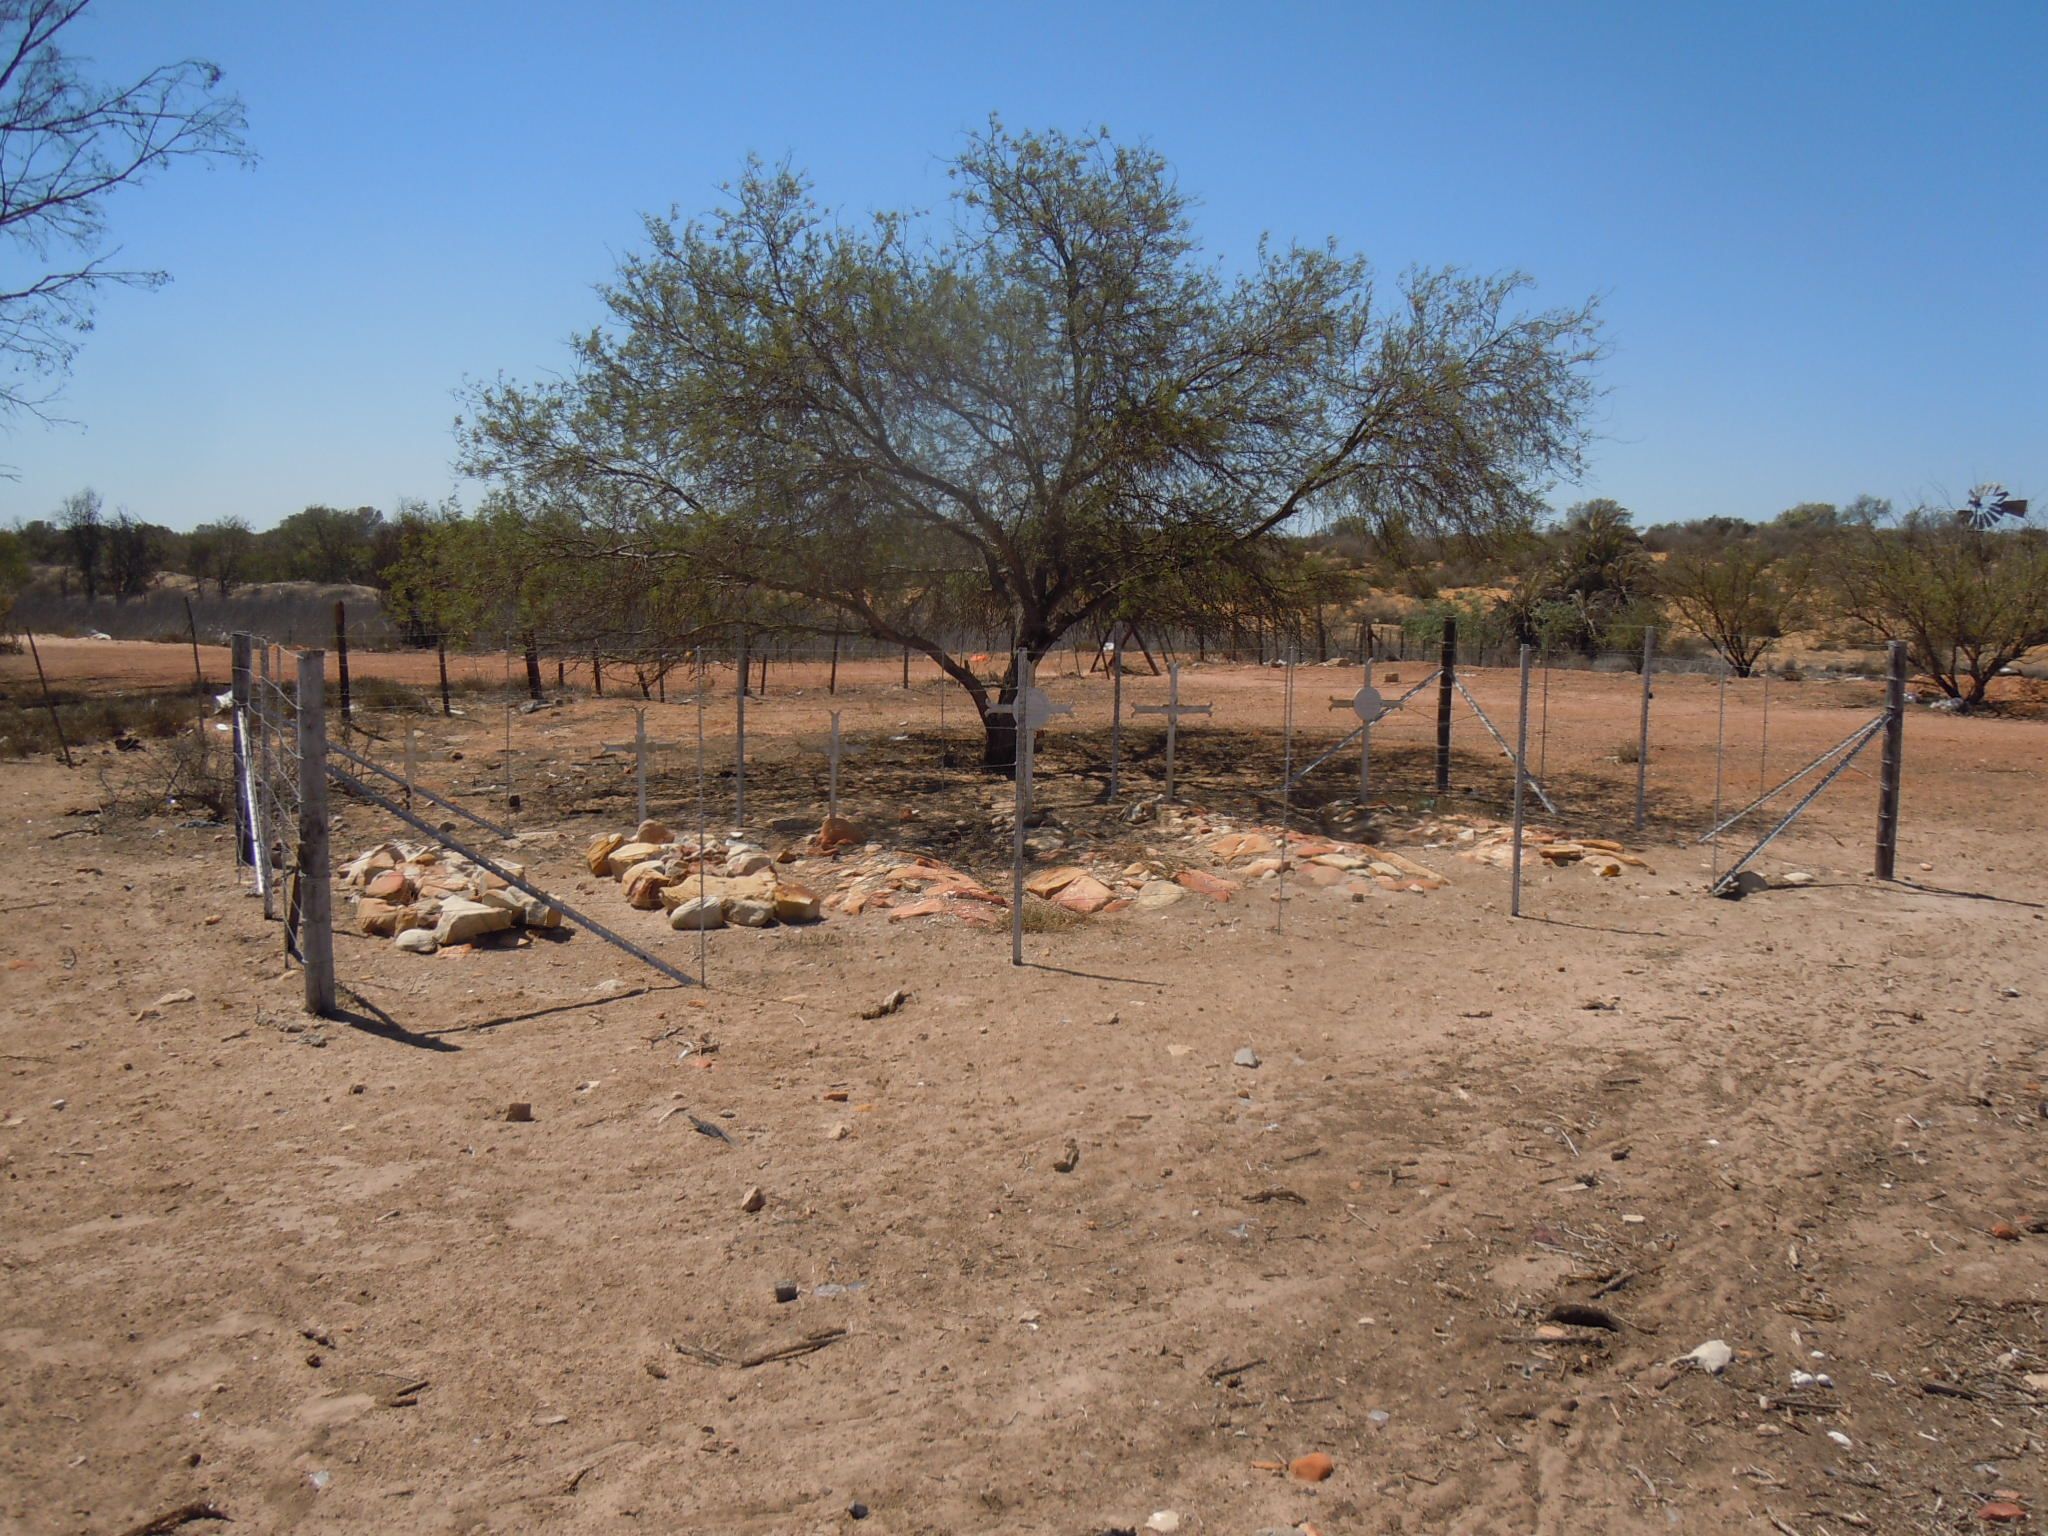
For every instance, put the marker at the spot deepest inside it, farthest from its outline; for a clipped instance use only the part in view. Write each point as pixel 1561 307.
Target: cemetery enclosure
pixel 1794 1123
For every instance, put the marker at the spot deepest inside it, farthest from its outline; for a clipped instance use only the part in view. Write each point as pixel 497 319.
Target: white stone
pixel 698 912
pixel 749 913
pixel 418 941
pixel 1712 1357
pixel 463 920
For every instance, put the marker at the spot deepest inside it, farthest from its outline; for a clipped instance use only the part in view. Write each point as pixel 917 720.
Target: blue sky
pixel 1820 231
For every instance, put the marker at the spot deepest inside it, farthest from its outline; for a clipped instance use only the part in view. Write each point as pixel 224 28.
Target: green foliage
pixel 1588 586
pixel 1737 594
pixel 1057 412
pixel 1967 602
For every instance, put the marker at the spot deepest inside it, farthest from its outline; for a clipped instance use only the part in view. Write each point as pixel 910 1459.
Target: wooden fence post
pixel 316 891
pixel 1894 764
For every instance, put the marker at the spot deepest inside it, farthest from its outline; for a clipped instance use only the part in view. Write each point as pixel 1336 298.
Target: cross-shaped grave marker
pixel 1032 709
pixel 639 746
pixel 1173 709
pixel 1368 705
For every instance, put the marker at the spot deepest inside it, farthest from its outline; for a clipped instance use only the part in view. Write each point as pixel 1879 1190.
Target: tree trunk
pixel 533 680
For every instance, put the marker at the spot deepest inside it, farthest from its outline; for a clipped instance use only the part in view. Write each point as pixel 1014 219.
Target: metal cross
pixel 1031 709
pixel 1368 706
pixel 1173 709
pixel 639 746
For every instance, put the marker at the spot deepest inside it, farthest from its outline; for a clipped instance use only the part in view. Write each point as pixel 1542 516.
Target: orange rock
pixel 2001 1510
pixel 388 885
pixel 1202 883
pixel 1312 1468
pixel 931 906
pixel 2006 1232
pixel 599 851
pixel 837 832
pixel 1050 882
pixel 1084 894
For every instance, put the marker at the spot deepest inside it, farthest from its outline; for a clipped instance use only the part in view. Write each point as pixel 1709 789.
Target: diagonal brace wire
pixel 1790 816
pixel 1854 739
pixel 1534 783
pixel 447 805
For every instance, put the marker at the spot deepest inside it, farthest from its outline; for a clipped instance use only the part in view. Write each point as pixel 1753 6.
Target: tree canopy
pixel 67 145
pixel 1045 406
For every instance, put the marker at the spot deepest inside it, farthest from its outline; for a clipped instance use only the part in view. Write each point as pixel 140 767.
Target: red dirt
pixel 307 1272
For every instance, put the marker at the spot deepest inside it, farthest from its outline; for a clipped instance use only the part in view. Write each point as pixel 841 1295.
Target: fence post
pixel 245 841
pixel 1521 781
pixel 341 654
pixel 316 890
pixel 1116 713
pixel 1446 681
pixel 1643 733
pixel 192 633
pixel 1894 762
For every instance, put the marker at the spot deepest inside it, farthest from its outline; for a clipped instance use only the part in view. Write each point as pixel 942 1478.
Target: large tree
pixel 1738 595
pixel 1045 406
pixel 67 145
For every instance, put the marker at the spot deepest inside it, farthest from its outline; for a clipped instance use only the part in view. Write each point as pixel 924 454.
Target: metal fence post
pixel 1521 781
pixel 245 838
pixel 316 891
pixel 1894 763
pixel 1643 735
pixel 1447 680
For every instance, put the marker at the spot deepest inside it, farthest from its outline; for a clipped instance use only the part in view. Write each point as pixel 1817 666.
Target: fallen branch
pixel 184 1514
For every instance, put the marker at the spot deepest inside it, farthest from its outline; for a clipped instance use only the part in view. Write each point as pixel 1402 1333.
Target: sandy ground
pixel 308 1275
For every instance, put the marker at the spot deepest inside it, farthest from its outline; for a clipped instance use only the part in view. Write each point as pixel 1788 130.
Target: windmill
pixel 1987 504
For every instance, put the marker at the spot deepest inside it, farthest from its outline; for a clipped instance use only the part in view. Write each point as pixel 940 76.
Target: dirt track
pixel 1792 1123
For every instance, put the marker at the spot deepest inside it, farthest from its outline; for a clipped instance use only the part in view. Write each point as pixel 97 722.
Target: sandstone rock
pixel 598 854
pixel 380 858
pixel 796 903
pixel 377 918
pixel 1050 882
pixel 645 882
pixel 748 861
pixel 1083 894
pixel 1233 846
pixel 759 886
pixel 464 921
pixel 418 941
pixel 837 832
pixel 1603 866
pixel 696 913
pixel 652 832
pixel 750 912
pixel 753 1200
pixel 388 885
pixel 626 855
pixel 1202 883
pixel 1156 894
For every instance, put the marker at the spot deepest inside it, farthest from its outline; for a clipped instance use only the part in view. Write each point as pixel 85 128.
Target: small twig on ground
pixel 1217 1373
pixel 171 1519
